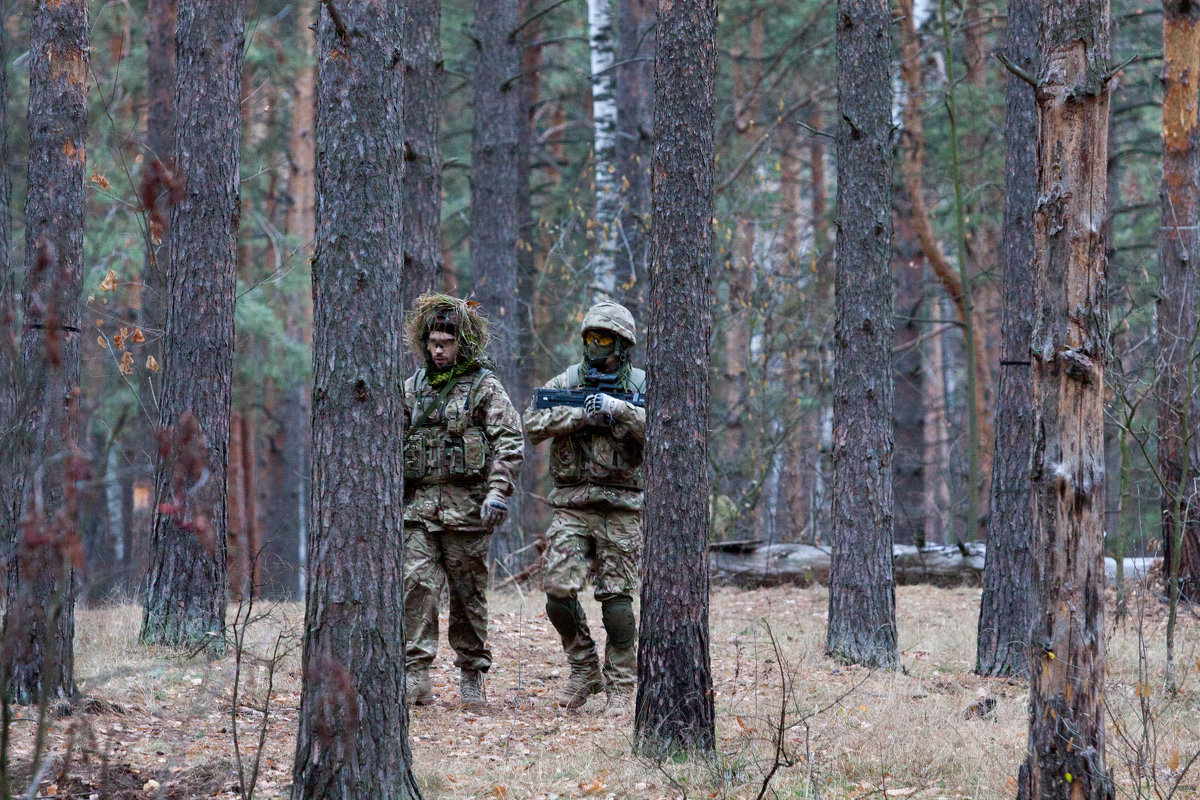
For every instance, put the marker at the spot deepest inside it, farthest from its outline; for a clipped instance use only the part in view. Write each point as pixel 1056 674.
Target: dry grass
pixel 895 734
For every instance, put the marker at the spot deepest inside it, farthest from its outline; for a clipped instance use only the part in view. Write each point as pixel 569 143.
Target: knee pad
pixel 619 622
pixel 564 615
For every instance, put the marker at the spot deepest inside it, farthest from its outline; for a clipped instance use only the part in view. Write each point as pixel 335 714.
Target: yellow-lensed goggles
pixel 598 339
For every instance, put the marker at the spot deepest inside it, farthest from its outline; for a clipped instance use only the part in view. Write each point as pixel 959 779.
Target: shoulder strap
pixel 573 376
pixel 637 380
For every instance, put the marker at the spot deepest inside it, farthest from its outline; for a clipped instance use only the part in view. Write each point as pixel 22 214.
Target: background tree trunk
pixel 10 483
pixel 161 21
pixel 38 651
pixel 675 696
pixel 353 737
pixel 862 591
pixel 1178 318
pixel 604 150
pixel 1069 352
pixel 422 207
pixel 635 137
pixel 1006 608
pixel 185 588
pixel 908 467
pixel 499 111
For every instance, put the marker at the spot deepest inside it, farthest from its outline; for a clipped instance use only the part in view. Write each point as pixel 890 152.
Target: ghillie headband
pixel 448 314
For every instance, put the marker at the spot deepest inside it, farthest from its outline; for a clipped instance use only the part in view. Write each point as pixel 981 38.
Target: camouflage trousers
pixel 607 545
pixel 459 558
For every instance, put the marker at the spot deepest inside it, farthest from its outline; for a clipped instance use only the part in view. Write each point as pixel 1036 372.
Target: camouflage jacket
pixel 458 444
pixel 593 466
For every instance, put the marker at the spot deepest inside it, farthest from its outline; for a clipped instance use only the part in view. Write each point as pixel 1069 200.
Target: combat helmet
pixel 613 317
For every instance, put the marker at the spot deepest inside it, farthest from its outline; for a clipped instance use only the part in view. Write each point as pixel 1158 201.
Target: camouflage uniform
pixel 464 440
pixel 596 527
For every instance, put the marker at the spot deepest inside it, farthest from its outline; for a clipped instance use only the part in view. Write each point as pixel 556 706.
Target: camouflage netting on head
pixel 471 328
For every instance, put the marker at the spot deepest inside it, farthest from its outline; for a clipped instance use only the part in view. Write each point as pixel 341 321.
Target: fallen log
pixel 754 563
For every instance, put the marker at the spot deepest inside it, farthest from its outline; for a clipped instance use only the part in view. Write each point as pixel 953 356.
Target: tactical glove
pixel 494 508
pixel 602 408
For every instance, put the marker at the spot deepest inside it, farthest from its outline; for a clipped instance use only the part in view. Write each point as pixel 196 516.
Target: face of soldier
pixel 443 349
pixel 600 348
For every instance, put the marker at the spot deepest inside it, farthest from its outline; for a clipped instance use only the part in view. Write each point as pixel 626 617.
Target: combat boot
pixel 417 688
pixel 585 681
pixel 470 689
pixel 620 703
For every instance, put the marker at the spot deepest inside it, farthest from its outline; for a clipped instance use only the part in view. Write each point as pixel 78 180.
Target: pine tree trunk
pixel 10 482
pixel 495 178
pixel 422 155
pixel 908 268
pixel 156 194
pixel 299 222
pixel 862 590
pixel 236 569
pixel 353 737
pixel 252 533
pixel 936 434
pixel 1005 611
pixel 185 587
pixel 1069 351
pixel 161 20
pixel 675 694
pixel 1178 316
pixel 635 123
pixel 38 653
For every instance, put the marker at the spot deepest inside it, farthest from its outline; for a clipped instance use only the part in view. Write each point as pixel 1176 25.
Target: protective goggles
pixel 598 339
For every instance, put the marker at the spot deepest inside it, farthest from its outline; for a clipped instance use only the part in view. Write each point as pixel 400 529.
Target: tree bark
pixel 1178 317
pixel 38 652
pixel 675 696
pixel 1069 351
pixel 422 154
pixel 862 592
pixel 495 178
pixel 353 736
pixel 1006 609
pixel 185 588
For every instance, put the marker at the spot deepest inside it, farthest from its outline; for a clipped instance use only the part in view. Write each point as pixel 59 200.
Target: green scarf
pixel 439 378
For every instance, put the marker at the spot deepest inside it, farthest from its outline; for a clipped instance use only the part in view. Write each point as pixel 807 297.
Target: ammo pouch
pixel 596 457
pixel 439 456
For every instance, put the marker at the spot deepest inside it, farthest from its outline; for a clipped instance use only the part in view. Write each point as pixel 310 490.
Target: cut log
pixel 753 563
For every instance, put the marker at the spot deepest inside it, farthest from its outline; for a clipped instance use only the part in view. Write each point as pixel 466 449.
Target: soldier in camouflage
pixel 596 464
pixel 463 448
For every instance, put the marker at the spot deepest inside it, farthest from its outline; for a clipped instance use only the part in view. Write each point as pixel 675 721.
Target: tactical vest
pixel 593 455
pixel 443 443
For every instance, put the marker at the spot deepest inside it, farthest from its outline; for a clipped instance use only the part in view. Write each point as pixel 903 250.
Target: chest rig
pixel 593 455
pixel 444 444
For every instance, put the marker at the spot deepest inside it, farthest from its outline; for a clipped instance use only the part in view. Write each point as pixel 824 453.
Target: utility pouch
pixel 415 464
pixel 475 451
pixel 565 465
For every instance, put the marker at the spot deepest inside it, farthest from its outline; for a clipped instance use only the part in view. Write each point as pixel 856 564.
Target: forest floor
pixel 155 724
